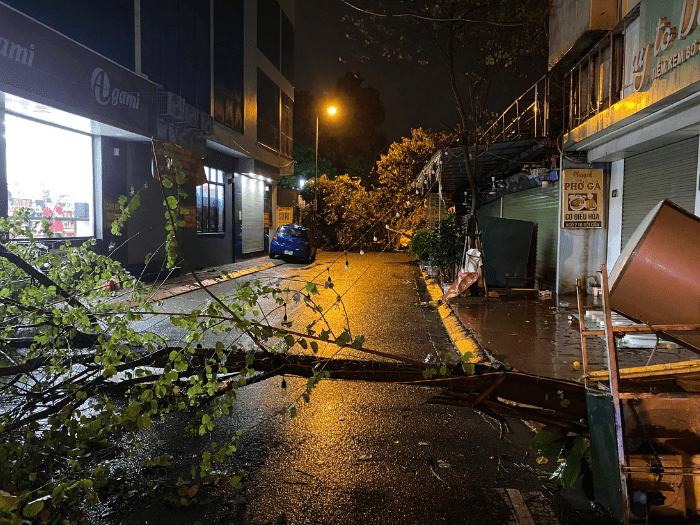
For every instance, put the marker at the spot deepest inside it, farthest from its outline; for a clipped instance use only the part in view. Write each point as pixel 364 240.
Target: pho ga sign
pixel 582 198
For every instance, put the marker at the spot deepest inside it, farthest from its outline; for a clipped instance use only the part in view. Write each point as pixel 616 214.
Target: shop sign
pixel 674 40
pixel 285 215
pixel 111 212
pixel 582 198
pixel 190 162
pixel 36 61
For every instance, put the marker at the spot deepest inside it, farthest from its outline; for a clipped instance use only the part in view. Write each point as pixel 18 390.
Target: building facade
pixel 89 91
pixel 623 107
pixel 632 105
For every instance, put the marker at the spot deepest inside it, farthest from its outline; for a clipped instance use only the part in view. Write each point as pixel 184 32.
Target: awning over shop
pixel 446 172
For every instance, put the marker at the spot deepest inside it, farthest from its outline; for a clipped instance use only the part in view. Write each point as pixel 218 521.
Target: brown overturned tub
pixel 656 279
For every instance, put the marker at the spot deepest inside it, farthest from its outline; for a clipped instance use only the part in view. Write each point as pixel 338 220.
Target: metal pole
pixel 315 181
pixel 614 374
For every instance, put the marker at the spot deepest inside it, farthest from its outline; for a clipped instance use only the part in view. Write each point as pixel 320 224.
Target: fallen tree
pixel 76 374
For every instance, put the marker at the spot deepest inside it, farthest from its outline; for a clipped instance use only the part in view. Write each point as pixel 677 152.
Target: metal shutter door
pixel 541 206
pixel 668 172
pixel 252 216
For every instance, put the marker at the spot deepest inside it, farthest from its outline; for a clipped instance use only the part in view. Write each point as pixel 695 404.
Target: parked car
pixel 292 240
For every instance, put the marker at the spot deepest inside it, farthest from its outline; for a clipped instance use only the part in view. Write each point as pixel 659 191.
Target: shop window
pixel 49 168
pixel 210 202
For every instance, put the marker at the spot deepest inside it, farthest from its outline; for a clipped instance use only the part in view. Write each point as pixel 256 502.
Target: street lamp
pixel 332 110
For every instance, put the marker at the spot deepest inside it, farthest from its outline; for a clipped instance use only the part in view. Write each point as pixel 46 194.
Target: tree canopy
pixel 484 45
pixel 351 214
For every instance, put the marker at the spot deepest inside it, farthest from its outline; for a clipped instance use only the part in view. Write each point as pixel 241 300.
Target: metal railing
pixel 526 118
pixel 595 83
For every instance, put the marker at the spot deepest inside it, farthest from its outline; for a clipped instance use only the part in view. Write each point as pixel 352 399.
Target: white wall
pixel 617 177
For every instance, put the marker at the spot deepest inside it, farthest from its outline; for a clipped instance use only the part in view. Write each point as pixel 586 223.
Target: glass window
pixel 269 30
pixel 50 172
pixel 268 112
pixel 210 202
pixel 287 65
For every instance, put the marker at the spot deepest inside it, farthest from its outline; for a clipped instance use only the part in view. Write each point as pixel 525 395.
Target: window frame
pixel 216 178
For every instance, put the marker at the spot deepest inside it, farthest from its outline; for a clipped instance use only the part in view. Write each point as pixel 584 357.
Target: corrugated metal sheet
pixel 541 206
pixel 665 173
pixel 492 209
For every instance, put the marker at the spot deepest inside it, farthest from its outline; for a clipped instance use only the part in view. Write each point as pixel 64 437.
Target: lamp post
pixel 332 110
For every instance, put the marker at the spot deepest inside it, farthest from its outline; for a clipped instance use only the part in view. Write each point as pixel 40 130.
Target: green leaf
pixel 33 508
pixel 289 340
pixel 314 347
pixel 343 339
pixel 358 342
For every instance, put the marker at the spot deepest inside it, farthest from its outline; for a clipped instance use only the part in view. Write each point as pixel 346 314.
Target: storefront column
pixel 3 160
pixel 617 177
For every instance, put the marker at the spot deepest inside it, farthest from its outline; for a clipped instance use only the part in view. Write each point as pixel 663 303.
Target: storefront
pixel 649 139
pixel 78 134
pixel 540 206
pixel 64 109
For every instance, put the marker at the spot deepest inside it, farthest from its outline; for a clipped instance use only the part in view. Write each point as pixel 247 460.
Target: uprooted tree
pixel 76 373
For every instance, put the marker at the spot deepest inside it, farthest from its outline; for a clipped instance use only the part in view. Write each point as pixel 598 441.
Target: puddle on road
pixel 541 337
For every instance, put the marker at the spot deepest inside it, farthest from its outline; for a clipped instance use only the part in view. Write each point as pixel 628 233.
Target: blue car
pixel 293 241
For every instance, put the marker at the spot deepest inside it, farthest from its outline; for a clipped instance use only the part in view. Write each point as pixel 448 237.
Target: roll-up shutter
pixel 668 172
pixel 541 206
pixel 252 215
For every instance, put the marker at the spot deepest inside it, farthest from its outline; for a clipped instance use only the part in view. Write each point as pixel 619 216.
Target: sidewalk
pixel 185 282
pixel 536 336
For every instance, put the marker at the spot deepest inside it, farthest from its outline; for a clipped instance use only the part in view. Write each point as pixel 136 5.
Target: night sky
pixel 413 95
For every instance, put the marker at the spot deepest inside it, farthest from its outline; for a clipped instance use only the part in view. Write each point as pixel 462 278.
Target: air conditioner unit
pixel 171 107
pixel 206 123
pixel 191 117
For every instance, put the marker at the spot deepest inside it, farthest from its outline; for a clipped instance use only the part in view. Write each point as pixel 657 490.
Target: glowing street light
pixel 332 110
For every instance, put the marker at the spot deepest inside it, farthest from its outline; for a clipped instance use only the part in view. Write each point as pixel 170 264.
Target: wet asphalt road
pixel 359 452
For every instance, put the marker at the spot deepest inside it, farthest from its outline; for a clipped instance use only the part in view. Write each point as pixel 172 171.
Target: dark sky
pixel 413 95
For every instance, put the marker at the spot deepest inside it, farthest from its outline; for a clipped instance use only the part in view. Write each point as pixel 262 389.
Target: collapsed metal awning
pixel 446 172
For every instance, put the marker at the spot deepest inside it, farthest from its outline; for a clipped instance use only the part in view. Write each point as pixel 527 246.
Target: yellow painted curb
pixel 463 340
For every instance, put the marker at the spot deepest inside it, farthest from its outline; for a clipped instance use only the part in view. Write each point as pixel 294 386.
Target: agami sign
pixel 37 61
pixel 582 198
